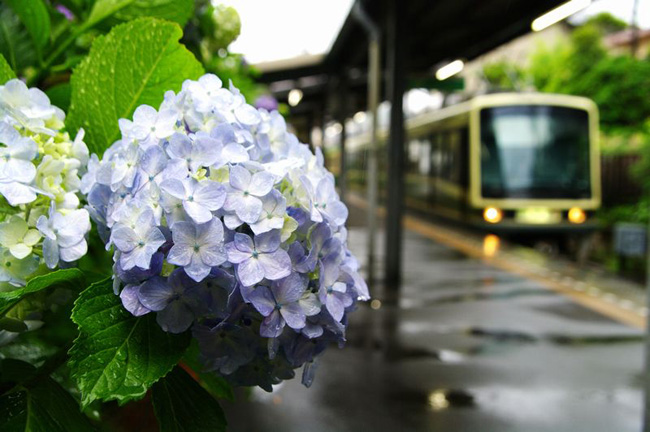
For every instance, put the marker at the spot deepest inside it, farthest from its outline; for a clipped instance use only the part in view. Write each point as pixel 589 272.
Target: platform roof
pixel 439 31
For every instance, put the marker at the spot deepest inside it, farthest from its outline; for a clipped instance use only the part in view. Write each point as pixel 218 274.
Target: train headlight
pixel 577 215
pixel 492 215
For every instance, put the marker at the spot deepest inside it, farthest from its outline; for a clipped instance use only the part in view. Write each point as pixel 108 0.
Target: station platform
pixel 479 340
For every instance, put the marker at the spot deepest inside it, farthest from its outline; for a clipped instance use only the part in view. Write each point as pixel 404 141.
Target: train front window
pixel 535 151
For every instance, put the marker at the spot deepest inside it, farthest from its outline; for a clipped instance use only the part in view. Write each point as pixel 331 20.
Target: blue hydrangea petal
pixel 211 195
pixel 272 325
pixel 240 177
pixel 131 302
pixel 155 294
pixel 175 318
pixel 289 289
pixel 234 255
pixel 244 243
pixel 250 272
pixel 268 242
pixel 293 315
pixel 248 208
pixel 262 299
pixel 180 255
pixel 275 265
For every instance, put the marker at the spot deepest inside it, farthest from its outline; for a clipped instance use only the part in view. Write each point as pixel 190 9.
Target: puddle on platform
pixel 436 400
pixel 478 296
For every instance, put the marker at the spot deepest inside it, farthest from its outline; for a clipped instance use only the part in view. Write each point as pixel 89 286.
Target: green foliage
pixel 118 356
pixel 133 65
pixel 607 23
pixel 36 19
pixel 5 71
pixel 621 88
pixel 502 75
pixel 55 278
pixel 182 405
pixel 37 405
pixel 220 25
pixel 208 35
pixel 60 95
pixel 216 385
pixel 620 85
pixel 178 11
pixel 16 45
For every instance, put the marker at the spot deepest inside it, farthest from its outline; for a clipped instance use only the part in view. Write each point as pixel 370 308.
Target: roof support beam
pixel 396 45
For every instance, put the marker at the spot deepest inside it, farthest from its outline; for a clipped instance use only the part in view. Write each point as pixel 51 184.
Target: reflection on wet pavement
pixel 468 348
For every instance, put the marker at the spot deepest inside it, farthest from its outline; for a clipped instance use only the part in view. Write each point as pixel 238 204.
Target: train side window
pixel 413 156
pixel 463 159
pixel 424 159
pixel 436 155
pixel 453 173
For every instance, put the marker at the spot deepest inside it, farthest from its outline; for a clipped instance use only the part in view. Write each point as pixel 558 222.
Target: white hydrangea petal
pixel 197 212
pixel 240 177
pixel 50 252
pixel 173 187
pixel 20 250
pixel 261 183
pixel 17 193
pixel 73 253
pixel 12 231
pixel 125 239
pixel 249 209
pixel 31 237
pixel 18 170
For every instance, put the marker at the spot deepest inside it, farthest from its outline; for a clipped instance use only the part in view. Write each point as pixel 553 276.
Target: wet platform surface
pixel 469 347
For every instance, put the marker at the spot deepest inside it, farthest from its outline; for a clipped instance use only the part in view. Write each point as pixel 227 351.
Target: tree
pixel 607 23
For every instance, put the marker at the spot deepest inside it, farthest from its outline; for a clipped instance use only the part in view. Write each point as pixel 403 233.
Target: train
pixel 506 163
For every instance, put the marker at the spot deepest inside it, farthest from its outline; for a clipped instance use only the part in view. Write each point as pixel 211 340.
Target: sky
pixel 280 29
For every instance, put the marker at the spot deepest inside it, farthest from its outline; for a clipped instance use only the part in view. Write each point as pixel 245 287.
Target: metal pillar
pixel 374 81
pixel 635 29
pixel 323 125
pixel 646 370
pixel 396 83
pixel 341 117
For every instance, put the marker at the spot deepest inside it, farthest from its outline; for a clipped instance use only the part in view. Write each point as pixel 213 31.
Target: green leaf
pixel 118 356
pixel 181 404
pixel 12 325
pixel 5 71
pixel 35 18
pixel 55 278
pixel 60 95
pixel 16 45
pixel 178 11
pixel 41 407
pixel 15 371
pixel 136 63
pixel 211 381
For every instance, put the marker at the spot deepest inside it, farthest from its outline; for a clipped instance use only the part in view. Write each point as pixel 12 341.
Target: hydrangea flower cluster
pixel 40 169
pixel 223 222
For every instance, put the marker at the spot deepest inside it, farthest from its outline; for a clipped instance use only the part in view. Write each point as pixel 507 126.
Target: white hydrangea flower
pixel 40 170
